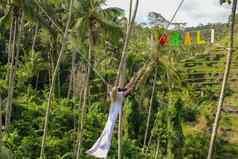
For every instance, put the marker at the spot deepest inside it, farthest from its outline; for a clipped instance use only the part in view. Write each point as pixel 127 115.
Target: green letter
pixel 175 39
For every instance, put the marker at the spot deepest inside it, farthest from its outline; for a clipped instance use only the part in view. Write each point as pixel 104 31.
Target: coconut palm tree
pixel 93 21
pixel 14 12
pixel 15 49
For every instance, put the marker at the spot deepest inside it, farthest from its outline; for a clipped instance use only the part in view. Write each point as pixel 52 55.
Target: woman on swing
pixel 101 147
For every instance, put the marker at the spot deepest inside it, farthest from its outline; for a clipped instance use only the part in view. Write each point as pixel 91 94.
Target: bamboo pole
pixel 83 108
pixel 150 110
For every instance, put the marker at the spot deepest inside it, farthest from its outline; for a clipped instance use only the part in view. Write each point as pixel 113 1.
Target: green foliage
pixel 175 132
pixel 6 153
pixel 181 110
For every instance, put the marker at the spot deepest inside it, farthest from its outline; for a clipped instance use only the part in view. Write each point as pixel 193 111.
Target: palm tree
pixel 93 21
pixel 19 10
pixel 165 65
pixel 14 48
pixel 54 79
pixel 33 50
pixel 72 73
pixel 225 79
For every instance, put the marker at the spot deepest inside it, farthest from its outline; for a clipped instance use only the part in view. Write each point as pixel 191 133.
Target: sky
pixel 193 12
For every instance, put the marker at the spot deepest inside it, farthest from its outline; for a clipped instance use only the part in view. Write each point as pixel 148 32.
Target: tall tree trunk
pixel 15 48
pixel 224 83
pixel 80 95
pixel 72 75
pixel 149 113
pixel 157 150
pixel 32 53
pixel 10 49
pixel 85 93
pixel 58 85
pixel 10 42
pixel 34 41
pixel 72 93
pixel 51 61
pixel 11 70
pixel 53 81
pixel 83 114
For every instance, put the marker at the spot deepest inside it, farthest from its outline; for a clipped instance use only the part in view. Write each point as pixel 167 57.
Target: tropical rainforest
pixel 59 61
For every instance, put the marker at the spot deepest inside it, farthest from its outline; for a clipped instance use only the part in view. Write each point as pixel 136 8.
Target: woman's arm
pixel 129 88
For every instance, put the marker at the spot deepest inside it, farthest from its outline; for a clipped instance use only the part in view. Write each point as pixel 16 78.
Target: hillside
pixel 204 73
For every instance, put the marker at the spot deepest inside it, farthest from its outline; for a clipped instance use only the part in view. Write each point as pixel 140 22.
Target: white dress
pixel 102 146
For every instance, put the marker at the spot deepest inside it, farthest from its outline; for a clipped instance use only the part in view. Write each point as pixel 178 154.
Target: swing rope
pixel 175 13
pixel 95 70
pixel 122 66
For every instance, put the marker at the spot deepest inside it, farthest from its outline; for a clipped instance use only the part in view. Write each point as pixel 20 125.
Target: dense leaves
pixel 181 112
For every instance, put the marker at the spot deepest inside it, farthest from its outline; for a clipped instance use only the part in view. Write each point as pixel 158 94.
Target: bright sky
pixel 193 12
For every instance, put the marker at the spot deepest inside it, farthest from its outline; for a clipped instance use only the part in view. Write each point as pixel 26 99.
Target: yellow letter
pixel 199 39
pixel 187 39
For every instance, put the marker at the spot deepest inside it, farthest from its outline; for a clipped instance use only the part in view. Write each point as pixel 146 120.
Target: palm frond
pixel 5 19
pixel 84 5
pixel 67 155
pixel 99 3
pixel 111 30
pixel 169 70
pixel 50 13
pixel 113 12
pixel 81 27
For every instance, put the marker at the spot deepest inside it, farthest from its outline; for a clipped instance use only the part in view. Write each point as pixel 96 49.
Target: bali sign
pixel 186 38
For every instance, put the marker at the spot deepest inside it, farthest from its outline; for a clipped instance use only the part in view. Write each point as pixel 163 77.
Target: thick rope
pixel 175 13
pixel 95 70
pixel 122 65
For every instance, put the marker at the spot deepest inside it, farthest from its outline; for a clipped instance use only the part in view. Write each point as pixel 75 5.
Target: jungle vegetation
pixel 59 60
